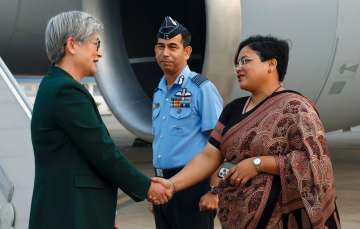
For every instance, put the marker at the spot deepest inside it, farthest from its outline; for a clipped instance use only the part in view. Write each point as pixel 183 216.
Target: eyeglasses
pixel 97 43
pixel 242 62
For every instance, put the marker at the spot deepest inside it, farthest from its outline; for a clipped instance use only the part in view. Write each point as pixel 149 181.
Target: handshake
pixel 161 190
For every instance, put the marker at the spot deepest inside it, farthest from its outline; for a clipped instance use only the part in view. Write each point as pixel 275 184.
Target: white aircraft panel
pixel 311 27
pixel 343 85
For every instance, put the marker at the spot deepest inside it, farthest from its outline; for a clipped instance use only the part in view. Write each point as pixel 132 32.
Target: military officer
pixel 186 107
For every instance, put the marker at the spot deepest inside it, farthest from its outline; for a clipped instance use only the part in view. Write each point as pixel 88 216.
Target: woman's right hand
pixel 240 174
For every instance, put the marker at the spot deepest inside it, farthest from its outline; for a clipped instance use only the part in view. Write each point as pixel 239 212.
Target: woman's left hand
pixel 242 172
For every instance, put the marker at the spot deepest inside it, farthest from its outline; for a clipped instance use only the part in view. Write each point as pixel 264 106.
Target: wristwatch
pixel 214 189
pixel 257 163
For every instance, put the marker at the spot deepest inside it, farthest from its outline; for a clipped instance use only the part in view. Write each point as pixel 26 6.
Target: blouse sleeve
pixel 216 135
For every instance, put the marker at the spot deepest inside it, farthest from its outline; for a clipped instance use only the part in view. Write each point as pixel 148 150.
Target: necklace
pixel 255 104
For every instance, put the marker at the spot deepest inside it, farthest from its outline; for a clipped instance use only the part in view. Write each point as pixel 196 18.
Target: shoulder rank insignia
pixel 199 79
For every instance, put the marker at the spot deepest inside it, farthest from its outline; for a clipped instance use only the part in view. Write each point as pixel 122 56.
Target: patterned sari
pixel 285 125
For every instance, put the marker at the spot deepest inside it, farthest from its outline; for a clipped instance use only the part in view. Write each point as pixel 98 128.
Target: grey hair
pixel 79 25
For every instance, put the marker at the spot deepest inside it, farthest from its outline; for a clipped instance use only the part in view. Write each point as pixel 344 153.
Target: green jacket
pixel 77 166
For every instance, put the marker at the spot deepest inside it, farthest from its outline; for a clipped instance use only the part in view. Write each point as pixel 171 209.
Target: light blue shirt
pixel 182 117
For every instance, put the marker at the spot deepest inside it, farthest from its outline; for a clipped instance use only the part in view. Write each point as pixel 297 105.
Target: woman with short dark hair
pixel 281 175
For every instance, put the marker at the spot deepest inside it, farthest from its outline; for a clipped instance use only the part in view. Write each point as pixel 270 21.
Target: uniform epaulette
pixel 199 79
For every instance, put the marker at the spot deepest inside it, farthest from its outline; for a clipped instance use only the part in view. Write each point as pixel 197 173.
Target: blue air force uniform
pixel 182 116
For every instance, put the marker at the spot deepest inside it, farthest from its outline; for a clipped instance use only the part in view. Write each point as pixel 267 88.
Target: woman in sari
pixel 282 175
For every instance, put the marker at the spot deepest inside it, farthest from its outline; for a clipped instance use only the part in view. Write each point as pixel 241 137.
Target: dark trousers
pixel 182 211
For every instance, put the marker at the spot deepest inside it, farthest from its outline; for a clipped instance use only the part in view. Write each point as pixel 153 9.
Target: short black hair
pixel 268 47
pixel 186 37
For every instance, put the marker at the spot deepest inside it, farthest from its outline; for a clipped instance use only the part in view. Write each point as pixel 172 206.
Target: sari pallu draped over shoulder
pixel 285 125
